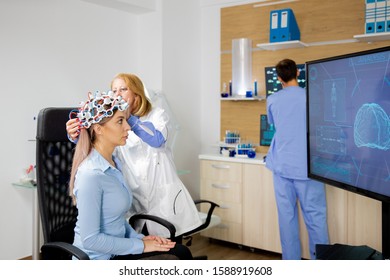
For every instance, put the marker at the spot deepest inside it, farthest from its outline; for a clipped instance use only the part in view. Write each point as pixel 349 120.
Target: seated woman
pixel 148 164
pixel 100 192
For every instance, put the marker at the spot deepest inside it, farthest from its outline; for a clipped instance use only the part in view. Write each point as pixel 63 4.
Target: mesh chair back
pixel 54 153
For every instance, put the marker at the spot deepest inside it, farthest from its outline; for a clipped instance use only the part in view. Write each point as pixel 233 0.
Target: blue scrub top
pixel 287 155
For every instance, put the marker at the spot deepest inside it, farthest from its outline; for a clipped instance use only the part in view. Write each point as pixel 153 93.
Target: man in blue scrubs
pixel 287 159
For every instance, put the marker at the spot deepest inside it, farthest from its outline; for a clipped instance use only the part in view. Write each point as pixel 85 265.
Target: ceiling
pixel 137 7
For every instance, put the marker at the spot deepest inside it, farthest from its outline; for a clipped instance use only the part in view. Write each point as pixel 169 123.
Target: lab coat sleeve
pixel 89 198
pixel 146 131
pixel 71 140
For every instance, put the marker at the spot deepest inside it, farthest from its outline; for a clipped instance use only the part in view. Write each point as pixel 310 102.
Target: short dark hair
pixel 286 69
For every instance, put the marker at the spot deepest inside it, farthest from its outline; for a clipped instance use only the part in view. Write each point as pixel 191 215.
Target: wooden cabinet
pixel 244 190
pixel 221 182
pixel 260 216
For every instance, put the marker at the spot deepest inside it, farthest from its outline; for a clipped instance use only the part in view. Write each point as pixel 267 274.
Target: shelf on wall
pixel 276 2
pixel 372 37
pixel 243 98
pixel 32 184
pixel 282 45
pixel 299 44
pixel 335 42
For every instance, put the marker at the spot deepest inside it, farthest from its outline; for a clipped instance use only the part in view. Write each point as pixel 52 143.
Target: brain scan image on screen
pixel 348 120
pixel 331 140
pixel 372 127
pixel 335 100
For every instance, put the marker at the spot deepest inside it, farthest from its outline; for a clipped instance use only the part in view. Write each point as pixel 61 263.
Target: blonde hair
pixel 83 148
pixel 137 87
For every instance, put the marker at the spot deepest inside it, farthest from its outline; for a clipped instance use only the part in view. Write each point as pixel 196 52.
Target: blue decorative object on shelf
pixel 251 154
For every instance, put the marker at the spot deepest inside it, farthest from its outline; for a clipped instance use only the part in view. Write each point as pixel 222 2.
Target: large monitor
pixel 348 123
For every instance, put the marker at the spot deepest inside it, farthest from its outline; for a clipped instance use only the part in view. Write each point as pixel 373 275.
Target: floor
pixel 219 250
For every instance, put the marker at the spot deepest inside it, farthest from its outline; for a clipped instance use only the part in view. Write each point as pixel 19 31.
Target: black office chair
pixel 54 153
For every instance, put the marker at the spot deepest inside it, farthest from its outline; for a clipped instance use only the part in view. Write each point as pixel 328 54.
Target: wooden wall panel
pixel 318 21
pixel 243 116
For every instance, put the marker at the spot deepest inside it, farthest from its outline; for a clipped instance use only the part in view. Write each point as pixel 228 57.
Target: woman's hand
pixel 128 113
pixel 154 243
pixel 73 128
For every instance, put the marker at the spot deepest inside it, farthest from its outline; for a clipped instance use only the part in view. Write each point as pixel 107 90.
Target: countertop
pixel 257 160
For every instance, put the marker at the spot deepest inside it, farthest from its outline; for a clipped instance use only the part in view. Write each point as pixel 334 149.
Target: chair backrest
pixel 54 153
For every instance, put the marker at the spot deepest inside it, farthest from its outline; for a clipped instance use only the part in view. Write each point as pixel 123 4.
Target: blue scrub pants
pixel 311 196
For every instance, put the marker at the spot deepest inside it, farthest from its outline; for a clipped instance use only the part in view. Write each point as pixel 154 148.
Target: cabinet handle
pixel 222 226
pixel 217 186
pixel 221 166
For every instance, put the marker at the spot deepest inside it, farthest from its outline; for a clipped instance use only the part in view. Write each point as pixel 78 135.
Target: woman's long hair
pixel 83 148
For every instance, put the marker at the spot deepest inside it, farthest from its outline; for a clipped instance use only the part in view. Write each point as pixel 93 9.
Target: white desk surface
pixel 257 160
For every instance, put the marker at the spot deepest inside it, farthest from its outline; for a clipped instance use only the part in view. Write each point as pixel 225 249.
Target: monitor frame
pixel 331 181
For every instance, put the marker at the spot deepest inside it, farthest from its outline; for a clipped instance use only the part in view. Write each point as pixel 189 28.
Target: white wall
pixel 191 78
pixel 181 82
pixel 149 48
pixel 52 52
pixel 210 76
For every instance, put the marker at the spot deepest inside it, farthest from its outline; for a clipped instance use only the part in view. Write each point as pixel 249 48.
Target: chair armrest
pixel 171 228
pixel 208 218
pixel 65 248
pixel 212 204
pixel 211 208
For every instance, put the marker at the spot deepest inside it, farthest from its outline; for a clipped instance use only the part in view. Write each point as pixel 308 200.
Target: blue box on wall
pixel 283 26
pixel 370 16
pixel 380 16
pixel 377 16
pixel 388 16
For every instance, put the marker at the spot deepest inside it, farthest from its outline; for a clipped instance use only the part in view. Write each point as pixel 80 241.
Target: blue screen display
pixel 348 121
pixel 267 131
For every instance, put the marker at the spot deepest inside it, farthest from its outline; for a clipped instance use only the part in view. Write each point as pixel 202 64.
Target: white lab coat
pixel 152 177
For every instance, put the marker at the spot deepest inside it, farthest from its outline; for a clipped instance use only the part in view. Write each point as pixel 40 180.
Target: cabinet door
pixel 221 171
pixel 337 214
pixel 260 216
pixel 221 182
pixel 364 221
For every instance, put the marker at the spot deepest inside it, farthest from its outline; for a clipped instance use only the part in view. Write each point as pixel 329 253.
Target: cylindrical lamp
pixel 241 66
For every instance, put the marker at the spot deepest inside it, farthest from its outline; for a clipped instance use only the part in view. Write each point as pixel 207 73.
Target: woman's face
pixel 120 88
pixel 116 129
